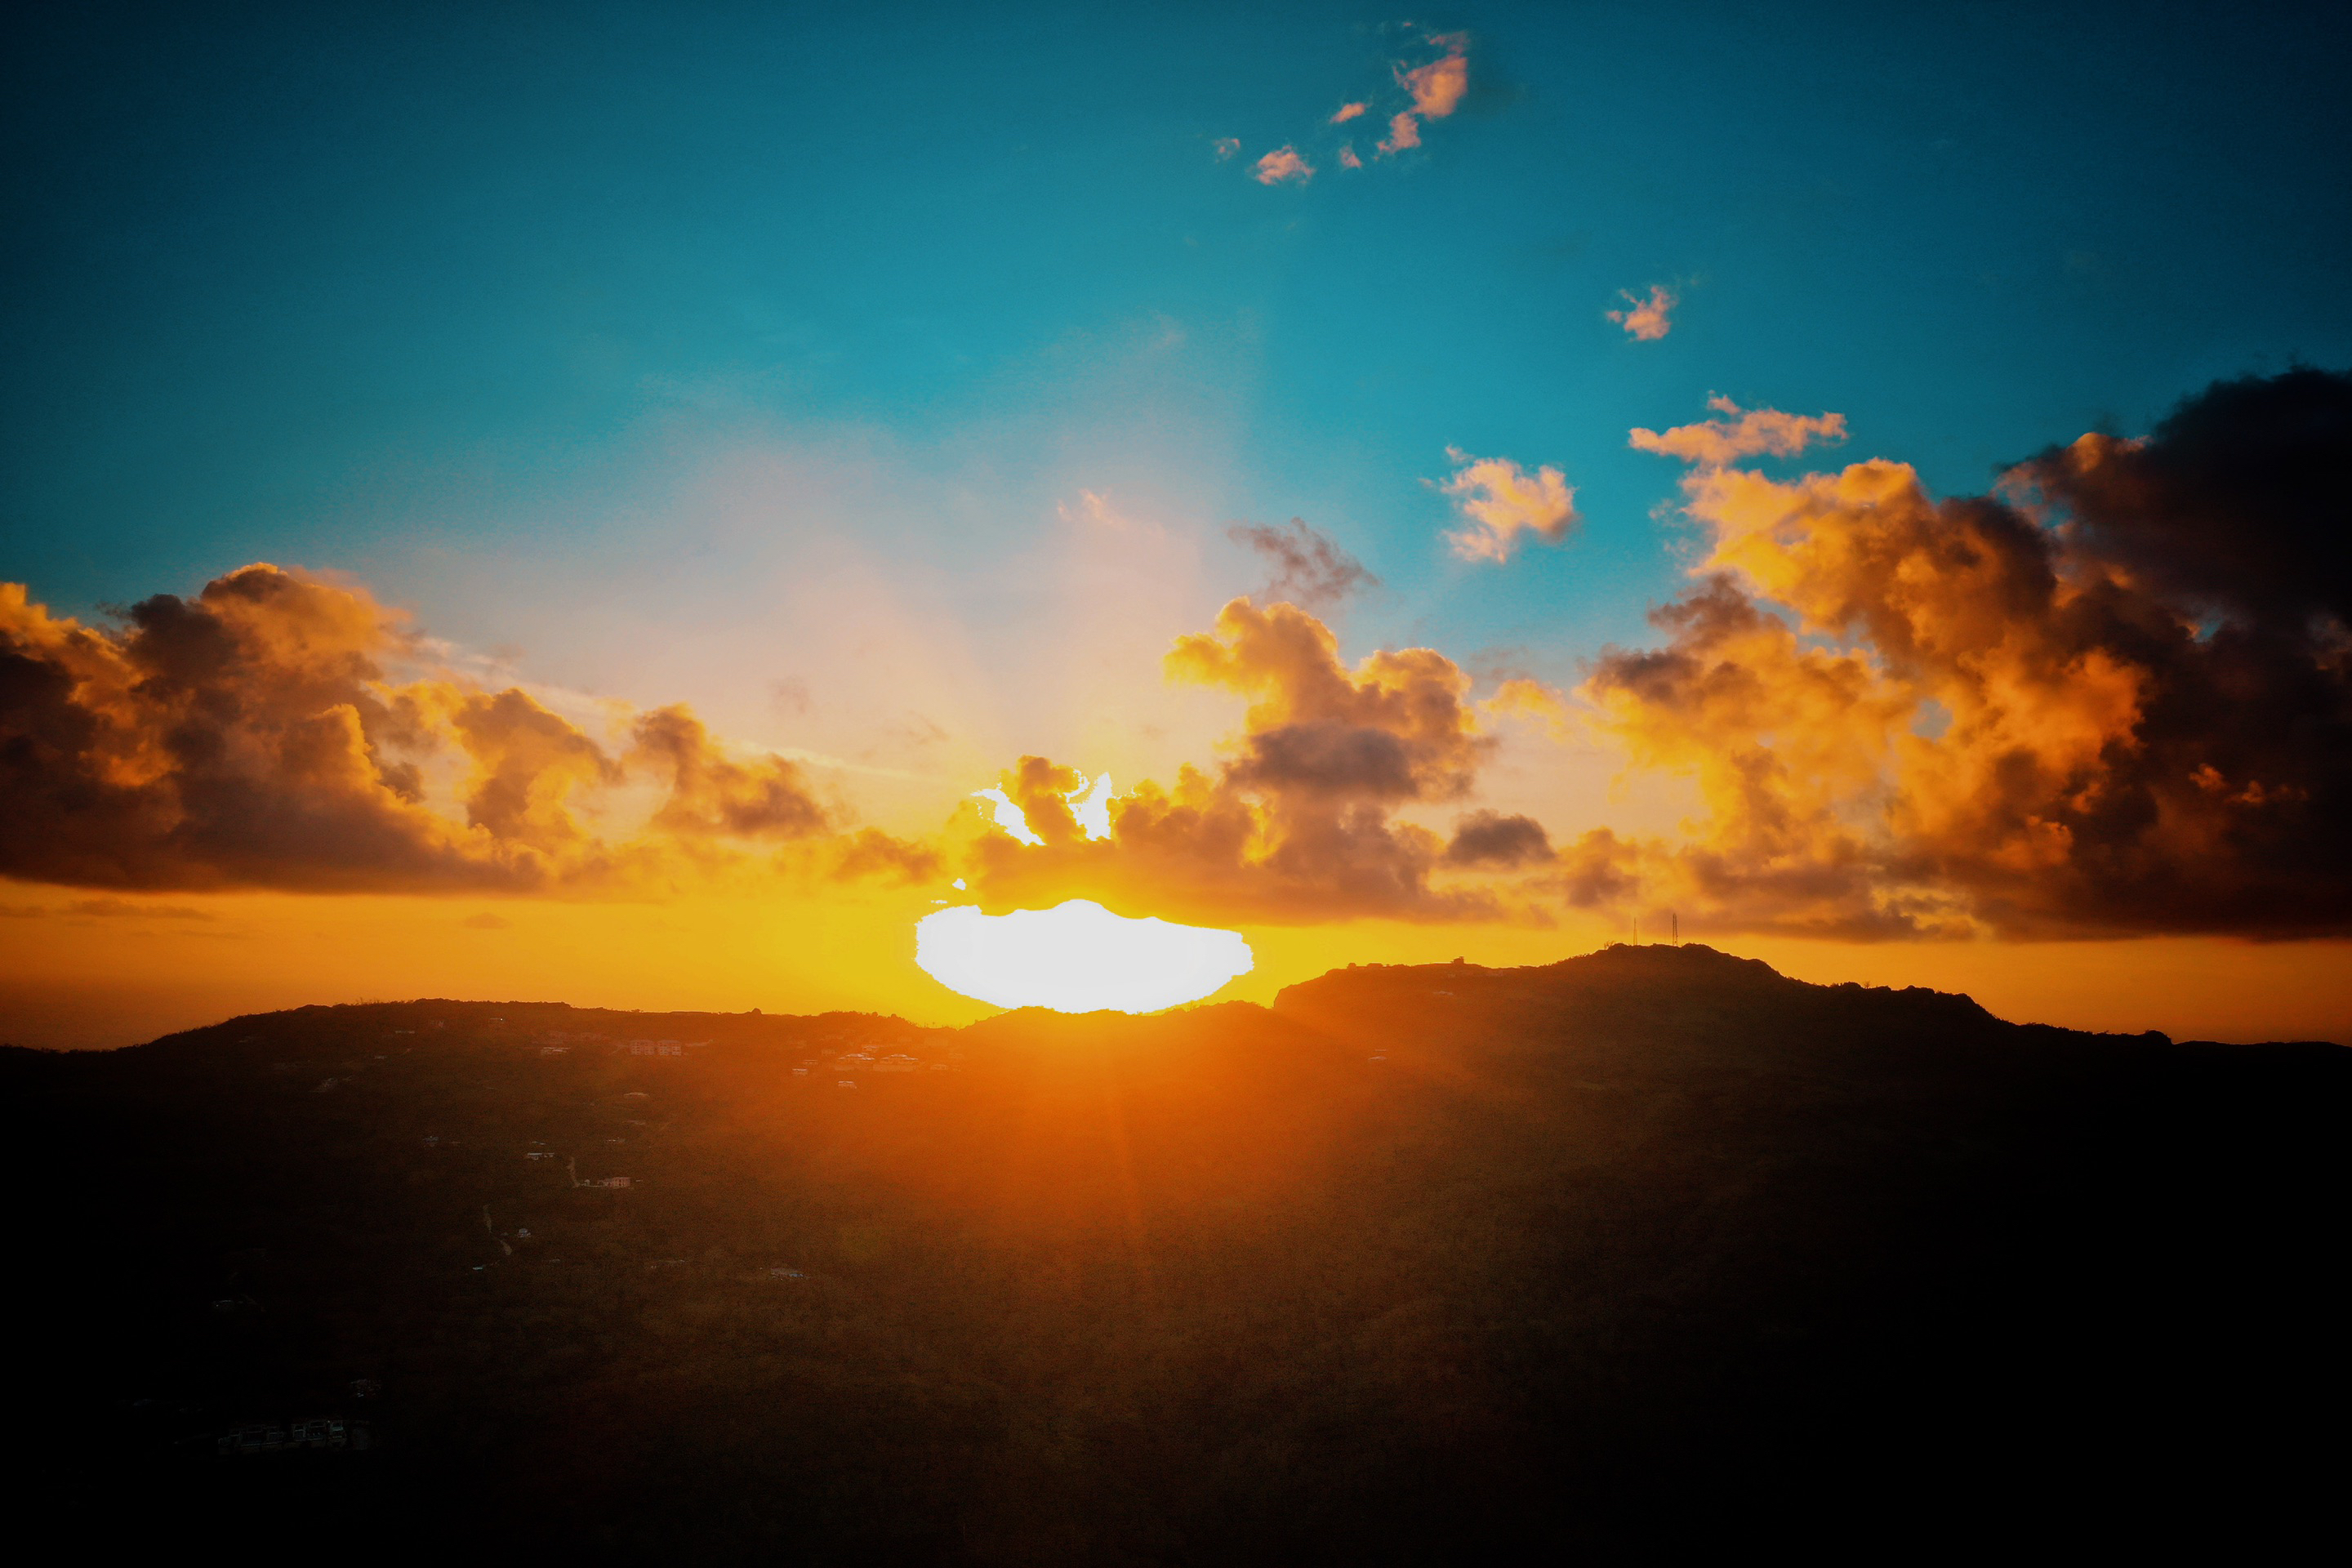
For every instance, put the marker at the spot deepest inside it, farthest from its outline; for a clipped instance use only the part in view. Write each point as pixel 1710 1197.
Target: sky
pixel 695 447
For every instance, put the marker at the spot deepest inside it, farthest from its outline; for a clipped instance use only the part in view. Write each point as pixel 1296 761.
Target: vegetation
pixel 1640 1252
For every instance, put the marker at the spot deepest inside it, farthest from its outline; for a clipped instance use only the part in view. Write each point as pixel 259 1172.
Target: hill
pixel 1649 1250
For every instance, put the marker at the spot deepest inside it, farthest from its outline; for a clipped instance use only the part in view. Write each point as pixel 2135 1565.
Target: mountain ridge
pixel 1621 963
pixel 1650 1248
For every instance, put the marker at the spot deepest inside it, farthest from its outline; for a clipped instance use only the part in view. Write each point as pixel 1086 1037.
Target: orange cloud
pixel 2116 702
pixel 1283 163
pixel 1433 91
pixel 1437 87
pixel 1521 696
pixel 871 854
pixel 1227 147
pixel 1503 501
pixel 1404 131
pixel 1298 825
pixel 713 794
pixel 1713 443
pixel 1646 320
pixel 254 736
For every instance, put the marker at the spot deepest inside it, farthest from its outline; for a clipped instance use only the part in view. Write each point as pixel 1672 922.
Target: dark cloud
pixel 105 909
pixel 2235 505
pixel 245 737
pixel 1490 838
pixel 1328 759
pixel 253 736
pixel 123 909
pixel 1308 568
pixel 2140 649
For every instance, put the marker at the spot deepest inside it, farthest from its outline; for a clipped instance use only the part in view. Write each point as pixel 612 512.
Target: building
pixel 314 1432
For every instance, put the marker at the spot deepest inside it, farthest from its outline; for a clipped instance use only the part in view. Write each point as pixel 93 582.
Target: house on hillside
pixel 268 1437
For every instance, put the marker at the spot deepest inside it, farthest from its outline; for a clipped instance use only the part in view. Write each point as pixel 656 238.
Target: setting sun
pixel 1076 957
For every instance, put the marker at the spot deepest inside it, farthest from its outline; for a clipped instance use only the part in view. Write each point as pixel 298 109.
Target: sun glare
pixel 1076 957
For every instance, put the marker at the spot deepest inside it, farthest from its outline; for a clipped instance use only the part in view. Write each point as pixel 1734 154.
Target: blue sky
pixel 470 306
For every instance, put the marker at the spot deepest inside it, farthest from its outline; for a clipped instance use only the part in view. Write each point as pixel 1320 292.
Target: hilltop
pixel 1648 1248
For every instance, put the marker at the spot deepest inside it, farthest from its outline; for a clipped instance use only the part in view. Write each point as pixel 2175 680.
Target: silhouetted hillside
pixel 1648 1250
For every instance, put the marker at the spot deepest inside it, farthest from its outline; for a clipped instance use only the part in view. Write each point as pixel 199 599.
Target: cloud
pixel 870 854
pixel 1503 501
pixel 788 695
pixel 1298 824
pixel 1521 695
pixel 1748 433
pixel 1437 87
pixel 245 737
pixel 1489 838
pixel 2257 452
pixel 713 795
pixel 527 762
pixel 104 908
pixel 2135 656
pixel 256 736
pixel 1226 147
pixel 1283 163
pixel 488 922
pixel 1404 131
pixel 1432 90
pixel 123 908
pixel 1646 320
pixel 1309 568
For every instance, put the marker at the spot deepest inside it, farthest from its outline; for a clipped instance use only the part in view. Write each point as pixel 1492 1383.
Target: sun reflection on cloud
pixel 1008 816
pixel 1089 808
pixel 1076 957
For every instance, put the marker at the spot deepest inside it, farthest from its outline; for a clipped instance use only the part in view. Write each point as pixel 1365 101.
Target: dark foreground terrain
pixel 1638 1254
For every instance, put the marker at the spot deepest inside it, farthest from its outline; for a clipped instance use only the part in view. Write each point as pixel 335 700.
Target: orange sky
pixel 116 975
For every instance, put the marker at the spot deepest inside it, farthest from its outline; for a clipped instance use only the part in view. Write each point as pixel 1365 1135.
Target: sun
pixel 1076 957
